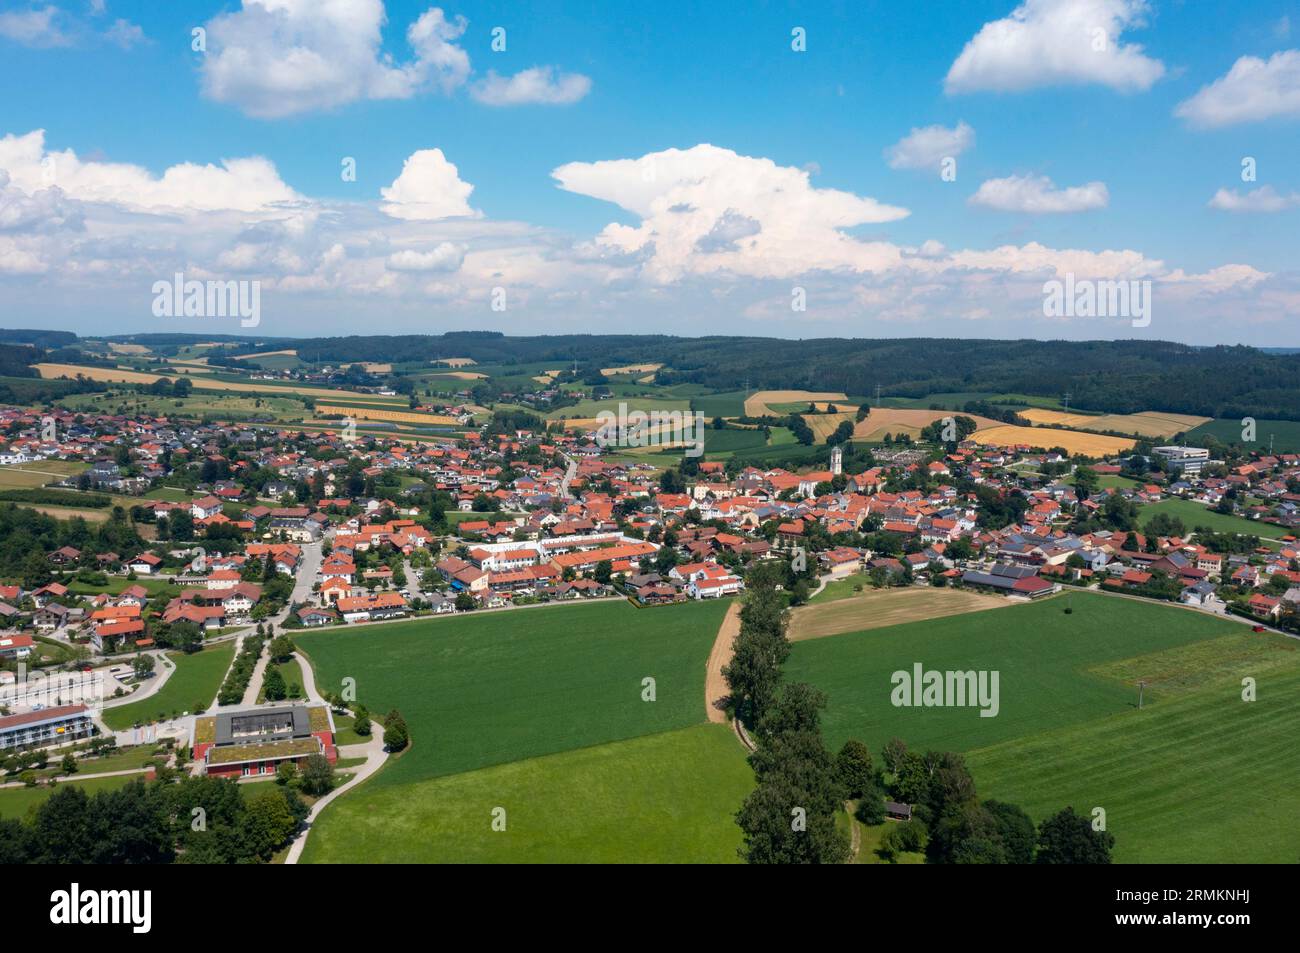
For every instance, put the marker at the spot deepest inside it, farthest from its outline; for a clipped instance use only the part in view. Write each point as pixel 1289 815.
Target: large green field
pixel 542 712
pixel 588 408
pixel 215 405
pixel 1204 777
pixel 1043 657
pixel 725 404
pixel 1197 514
pixel 194 683
pixel 485 689
pixel 1285 434
pixel 1196 775
pixel 662 798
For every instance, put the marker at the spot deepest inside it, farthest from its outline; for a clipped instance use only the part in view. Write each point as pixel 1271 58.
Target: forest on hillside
pixel 1111 376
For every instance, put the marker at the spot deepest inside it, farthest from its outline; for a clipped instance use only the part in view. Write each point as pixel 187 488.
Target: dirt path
pixel 855 834
pixel 715 686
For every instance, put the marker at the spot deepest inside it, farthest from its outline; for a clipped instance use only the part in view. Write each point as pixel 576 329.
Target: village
pixel 330 532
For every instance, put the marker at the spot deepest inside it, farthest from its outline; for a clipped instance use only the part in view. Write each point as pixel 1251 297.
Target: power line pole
pixel 1067 402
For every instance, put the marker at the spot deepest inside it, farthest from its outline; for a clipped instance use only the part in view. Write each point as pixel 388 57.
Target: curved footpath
pixel 375 755
pixel 164 668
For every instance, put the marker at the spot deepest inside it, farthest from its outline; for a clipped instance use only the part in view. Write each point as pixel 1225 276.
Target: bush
pixel 317 775
pixel 396 736
pixel 362 724
pixel 871 808
pixel 906 837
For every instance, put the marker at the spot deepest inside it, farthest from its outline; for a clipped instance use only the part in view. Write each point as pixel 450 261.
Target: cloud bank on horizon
pixel 698 236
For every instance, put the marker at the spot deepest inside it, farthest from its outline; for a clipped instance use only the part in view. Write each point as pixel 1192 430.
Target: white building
pixel 1186 460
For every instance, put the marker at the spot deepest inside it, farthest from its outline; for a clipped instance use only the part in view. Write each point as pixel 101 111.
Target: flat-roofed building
pixel 1188 460
pixel 45 726
pixel 256 741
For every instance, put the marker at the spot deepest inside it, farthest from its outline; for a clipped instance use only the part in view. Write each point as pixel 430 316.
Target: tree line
pixel 801 789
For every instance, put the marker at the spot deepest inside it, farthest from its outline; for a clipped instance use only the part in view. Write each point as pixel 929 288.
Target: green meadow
pixel 546 713
pixel 193 684
pixel 662 798
pixel 479 690
pixel 1196 774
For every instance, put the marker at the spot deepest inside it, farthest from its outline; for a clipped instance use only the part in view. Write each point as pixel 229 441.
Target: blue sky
pixel 1104 163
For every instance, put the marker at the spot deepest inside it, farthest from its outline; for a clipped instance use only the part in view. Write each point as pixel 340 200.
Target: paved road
pixel 375 756
pixel 63 778
pixel 570 472
pixel 164 668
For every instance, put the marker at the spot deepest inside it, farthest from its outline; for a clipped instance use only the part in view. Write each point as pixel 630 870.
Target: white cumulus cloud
pixel 244 184
pixel 1036 195
pixel 1262 199
pixel 926 147
pixel 540 85
pixel 1253 90
pixel 275 58
pixel 708 209
pixel 1057 42
pixel 428 188
pixel 446 257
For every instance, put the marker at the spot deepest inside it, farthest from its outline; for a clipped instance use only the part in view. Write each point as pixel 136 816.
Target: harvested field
pixel 1148 423
pixel 877 608
pixel 823 425
pixel 581 423
pixel 760 403
pixel 397 416
pixel 1074 441
pixel 127 348
pixel 896 420
pixel 455 361
pixel 630 369
pixel 49 371
pixel 290 352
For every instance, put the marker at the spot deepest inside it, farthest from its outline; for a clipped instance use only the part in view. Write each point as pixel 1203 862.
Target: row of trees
pixel 790 816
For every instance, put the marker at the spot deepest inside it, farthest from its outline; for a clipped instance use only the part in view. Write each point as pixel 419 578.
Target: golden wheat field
pixel 288 352
pixel 1148 423
pixel 630 369
pixel 395 416
pixel 759 403
pixel 823 425
pixel 898 420
pixel 1073 441
pixel 48 371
